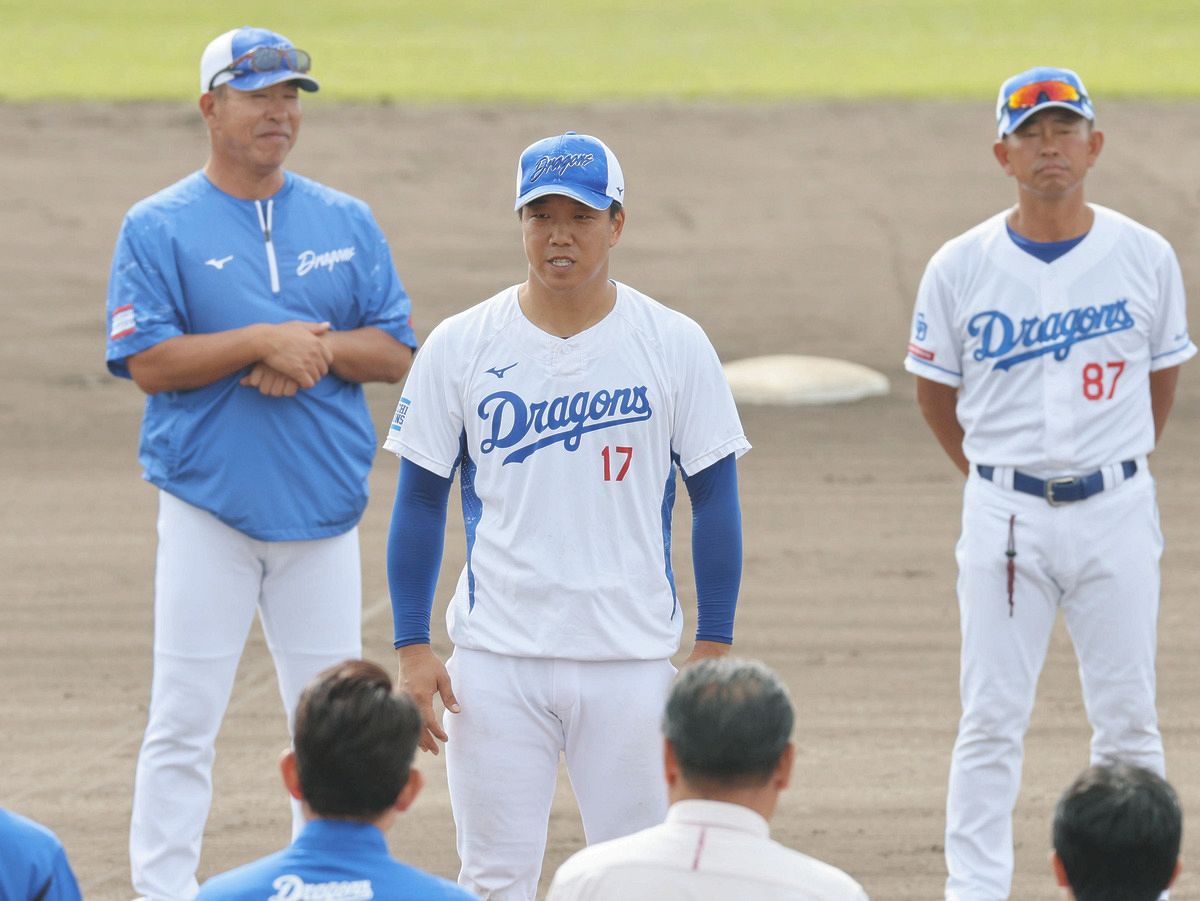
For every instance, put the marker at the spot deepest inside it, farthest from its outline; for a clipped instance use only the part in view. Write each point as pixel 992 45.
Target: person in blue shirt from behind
pixel 351 770
pixel 250 304
pixel 33 864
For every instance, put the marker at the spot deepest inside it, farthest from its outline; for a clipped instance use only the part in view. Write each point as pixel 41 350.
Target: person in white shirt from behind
pixel 728 754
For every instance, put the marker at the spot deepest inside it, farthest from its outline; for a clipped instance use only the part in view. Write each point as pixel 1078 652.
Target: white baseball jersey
pixel 1052 360
pixel 566 448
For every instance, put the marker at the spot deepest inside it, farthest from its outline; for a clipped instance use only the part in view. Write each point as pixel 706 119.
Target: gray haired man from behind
pixel 727 755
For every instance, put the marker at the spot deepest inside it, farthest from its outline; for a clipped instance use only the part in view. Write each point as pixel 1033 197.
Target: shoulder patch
pixel 123 322
pixel 398 417
pixel 920 352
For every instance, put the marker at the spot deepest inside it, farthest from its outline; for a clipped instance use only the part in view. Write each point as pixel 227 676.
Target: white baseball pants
pixel 209 581
pixel 518 715
pixel 1095 559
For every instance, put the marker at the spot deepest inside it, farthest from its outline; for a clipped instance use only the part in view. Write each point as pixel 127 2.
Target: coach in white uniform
pixel 727 756
pixel 1046 344
pixel 249 303
pixel 566 404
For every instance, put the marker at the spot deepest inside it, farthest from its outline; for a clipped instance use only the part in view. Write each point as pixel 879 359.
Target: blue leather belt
pixel 1062 490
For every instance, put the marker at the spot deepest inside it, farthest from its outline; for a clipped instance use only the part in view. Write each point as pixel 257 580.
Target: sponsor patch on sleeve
pixel 920 352
pixel 123 322
pixel 398 418
pixel 392 442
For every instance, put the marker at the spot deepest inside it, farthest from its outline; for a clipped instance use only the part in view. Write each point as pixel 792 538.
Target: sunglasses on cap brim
pixel 1031 95
pixel 267 59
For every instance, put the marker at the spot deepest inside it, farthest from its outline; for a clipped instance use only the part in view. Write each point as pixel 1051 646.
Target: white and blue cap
pixel 1037 89
pixel 573 165
pixel 217 64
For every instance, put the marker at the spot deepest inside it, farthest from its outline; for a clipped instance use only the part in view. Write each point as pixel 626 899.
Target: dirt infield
pixel 798 228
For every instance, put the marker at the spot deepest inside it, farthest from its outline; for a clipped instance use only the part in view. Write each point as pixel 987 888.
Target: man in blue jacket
pixel 250 304
pixel 33 864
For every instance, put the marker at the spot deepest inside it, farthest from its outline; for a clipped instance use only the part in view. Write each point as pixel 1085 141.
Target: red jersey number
pixel 1094 377
pixel 626 452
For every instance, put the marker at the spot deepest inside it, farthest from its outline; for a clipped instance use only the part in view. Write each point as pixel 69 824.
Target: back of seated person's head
pixel 355 739
pixel 1117 831
pixel 729 722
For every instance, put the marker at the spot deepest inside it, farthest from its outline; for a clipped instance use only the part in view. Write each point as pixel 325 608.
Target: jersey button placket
pixel 1057 413
pixel 569 360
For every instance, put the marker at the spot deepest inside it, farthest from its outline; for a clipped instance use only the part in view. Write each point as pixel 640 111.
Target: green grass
pixel 562 50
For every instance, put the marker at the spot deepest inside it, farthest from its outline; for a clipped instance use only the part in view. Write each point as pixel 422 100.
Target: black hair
pixel 355 739
pixel 1117 830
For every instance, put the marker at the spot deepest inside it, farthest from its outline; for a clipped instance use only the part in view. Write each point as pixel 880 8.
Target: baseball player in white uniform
pixel 1046 343
pixel 565 403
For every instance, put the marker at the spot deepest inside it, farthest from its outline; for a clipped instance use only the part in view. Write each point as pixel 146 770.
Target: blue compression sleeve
pixel 414 553
pixel 716 548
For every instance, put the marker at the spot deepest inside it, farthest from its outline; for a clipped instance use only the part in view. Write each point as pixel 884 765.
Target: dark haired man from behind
pixel 351 770
pixel 728 754
pixel 1117 831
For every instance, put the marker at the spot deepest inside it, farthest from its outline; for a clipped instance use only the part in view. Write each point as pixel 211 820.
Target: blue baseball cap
pixel 574 165
pixel 217 62
pixel 1037 89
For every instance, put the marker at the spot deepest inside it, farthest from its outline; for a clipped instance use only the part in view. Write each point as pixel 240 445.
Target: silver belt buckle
pixel 1049 491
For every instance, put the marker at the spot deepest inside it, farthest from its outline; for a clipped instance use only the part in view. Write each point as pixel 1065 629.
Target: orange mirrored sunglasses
pixel 1031 94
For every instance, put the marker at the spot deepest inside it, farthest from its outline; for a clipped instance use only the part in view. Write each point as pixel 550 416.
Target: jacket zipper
pixel 264 223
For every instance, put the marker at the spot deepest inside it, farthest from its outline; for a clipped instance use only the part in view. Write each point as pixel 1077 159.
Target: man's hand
pixel 270 382
pixel 703 650
pixel 422 675
pixel 295 350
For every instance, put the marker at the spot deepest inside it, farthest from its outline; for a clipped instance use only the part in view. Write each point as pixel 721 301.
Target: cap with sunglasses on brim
pixel 248 59
pixel 1037 89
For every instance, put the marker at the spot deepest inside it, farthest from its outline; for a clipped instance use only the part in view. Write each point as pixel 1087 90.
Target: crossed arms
pixel 285 357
